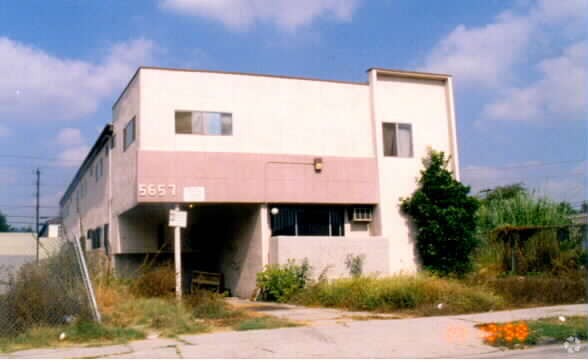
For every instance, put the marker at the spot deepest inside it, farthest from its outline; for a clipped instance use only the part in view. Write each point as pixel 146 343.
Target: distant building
pixel 51 228
pixel 17 249
pixel 269 168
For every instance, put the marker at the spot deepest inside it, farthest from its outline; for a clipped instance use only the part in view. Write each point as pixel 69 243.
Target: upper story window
pixel 397 139
pixel 204 123
pixel 129 133
pixel 99 169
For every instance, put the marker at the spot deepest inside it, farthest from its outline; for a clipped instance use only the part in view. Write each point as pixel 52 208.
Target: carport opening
pixel 223 239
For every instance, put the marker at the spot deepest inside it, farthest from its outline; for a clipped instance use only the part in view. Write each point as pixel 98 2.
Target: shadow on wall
pixel 412 240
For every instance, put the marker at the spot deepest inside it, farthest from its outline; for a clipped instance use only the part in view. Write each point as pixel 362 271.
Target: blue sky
pixel 520 70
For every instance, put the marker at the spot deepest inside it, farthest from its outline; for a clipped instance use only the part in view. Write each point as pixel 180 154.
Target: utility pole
pixel 38 172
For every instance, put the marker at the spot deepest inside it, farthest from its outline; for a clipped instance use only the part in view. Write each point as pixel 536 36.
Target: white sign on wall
pixel 194 193
pixel 178 218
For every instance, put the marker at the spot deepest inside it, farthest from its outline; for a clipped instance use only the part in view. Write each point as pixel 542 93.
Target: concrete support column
pixel 266 233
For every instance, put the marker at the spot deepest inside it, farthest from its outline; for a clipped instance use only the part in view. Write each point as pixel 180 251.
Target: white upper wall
pixel 270 114
pixel 426 104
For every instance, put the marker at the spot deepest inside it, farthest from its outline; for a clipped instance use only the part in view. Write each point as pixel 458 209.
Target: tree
pixel 505 192
pixel 4 227
pixel 445 218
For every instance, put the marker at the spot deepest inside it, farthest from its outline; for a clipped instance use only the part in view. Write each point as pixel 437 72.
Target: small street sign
pixel 178 218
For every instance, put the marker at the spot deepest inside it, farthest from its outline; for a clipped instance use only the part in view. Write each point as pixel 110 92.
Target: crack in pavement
pixel 178 352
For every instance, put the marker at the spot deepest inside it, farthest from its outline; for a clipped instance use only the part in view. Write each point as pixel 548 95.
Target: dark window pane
pixel 389 134
pixel 284 222
pixel 337 222
pixel 313 221
pixel 183 122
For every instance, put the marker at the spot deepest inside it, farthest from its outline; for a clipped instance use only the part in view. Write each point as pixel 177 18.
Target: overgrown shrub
pixel 50 293
pixel 521 209
pixel 281 282
pixel 444 216
pixel 422 293
pixel 209 305
pixel 354 264
pixel 541 289
pixel 159 281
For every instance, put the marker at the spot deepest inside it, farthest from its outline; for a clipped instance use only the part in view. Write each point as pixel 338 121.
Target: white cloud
pixel 72 156
pixel 481 56
pixel 286 14
pixel 41 86
pixel 69 137
pixel 495 56
pixel 561 91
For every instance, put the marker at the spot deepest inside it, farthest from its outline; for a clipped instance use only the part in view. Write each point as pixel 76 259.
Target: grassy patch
pixel 265 322
pixel 420 294
pixel 81 332
pixel 161 314
pixel 535 331
pixel 540 289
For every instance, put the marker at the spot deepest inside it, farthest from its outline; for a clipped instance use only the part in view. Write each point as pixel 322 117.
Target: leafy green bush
pixel 422 293
pixel 444 216
pixel 281 282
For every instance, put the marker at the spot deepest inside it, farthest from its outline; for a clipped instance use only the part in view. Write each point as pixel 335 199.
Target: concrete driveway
pixel 437 337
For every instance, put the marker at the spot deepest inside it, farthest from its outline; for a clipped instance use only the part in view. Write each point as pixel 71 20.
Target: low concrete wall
pixel 325 251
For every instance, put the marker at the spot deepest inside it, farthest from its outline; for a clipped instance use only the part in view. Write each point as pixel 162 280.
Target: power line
pixel 27 206
pixel 479 168
pixel 26 216
pixel 28 157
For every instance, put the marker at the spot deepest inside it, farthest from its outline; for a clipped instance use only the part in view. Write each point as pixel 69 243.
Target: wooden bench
pixel 201 278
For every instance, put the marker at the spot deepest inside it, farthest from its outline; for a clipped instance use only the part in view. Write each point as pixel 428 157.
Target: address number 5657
pixel 157 189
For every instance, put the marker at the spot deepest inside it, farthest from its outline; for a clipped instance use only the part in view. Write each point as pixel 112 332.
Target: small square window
pixel 397 139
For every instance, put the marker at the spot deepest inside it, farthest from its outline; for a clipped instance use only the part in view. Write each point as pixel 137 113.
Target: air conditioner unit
pixel 362 214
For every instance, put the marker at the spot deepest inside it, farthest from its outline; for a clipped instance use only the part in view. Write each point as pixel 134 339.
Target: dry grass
pixel 420 294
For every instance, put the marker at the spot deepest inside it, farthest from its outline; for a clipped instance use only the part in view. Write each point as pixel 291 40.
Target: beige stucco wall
pixel 270 115
pixel 93 204
pixel 242 256
pixel 124 162
pixel 329 253
pixel 425 105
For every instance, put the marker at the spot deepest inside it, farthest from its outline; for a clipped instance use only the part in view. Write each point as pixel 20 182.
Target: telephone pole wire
pixel 38 173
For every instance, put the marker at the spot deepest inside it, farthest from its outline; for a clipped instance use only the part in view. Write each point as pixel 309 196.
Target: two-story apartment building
pixel 269 168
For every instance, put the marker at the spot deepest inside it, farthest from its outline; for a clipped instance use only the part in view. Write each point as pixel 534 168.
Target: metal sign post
pixel 177 220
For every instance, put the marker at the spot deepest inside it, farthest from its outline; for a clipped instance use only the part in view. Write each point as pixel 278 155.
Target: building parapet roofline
pixel 100 142
pixel 411 74
pixel 232 73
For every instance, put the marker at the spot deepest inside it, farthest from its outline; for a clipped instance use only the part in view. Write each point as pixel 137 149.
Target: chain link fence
pixel 52 292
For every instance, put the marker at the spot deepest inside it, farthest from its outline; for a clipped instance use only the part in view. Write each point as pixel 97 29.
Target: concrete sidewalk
pixel 438 337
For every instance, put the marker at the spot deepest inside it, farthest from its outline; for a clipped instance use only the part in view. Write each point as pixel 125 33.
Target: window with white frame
pixel 203 123
pixel 397 139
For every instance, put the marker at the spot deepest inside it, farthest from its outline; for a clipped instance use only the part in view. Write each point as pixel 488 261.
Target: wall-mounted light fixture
pixel 318 164
pixel 274 211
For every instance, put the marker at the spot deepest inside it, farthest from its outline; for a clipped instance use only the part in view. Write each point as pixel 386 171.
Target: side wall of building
pixel 426 106
pixel 124 162
pixel 87 207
